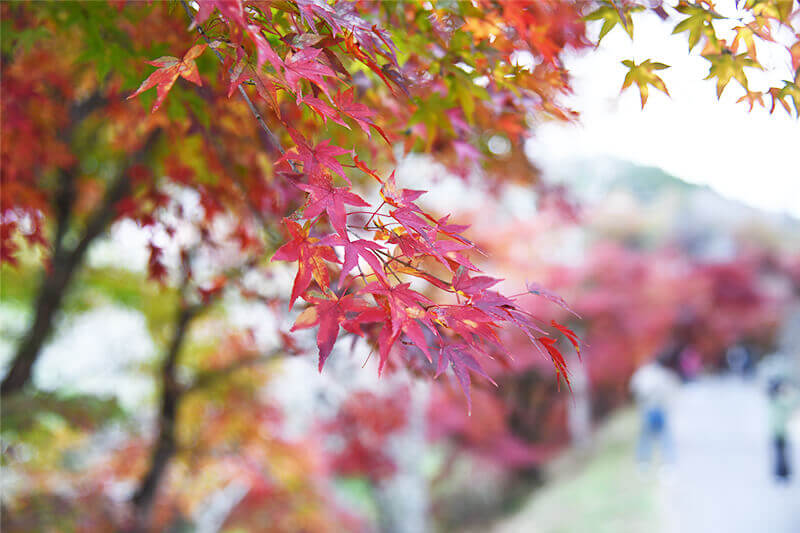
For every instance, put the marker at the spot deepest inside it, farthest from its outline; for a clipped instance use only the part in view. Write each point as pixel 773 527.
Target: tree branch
pixel 65 195
pixel 172 393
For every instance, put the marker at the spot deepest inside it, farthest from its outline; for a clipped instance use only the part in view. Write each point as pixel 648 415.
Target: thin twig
pixel 409 265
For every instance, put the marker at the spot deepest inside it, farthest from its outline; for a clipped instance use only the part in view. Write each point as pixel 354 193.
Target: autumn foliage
pixel 272 140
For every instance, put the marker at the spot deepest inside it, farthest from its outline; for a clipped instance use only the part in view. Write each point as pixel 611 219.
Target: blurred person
pixel 783 400
pixel 739 360
pixel 653 386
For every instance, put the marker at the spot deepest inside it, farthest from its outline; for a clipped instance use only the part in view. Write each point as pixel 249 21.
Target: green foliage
pixel 35 415
pixel 18 285
pixel 95 287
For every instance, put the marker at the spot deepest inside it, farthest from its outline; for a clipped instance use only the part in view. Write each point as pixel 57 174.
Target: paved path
pixel 721 480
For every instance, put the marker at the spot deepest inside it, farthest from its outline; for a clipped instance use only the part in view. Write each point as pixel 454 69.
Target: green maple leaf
pixel 611 15
pixel 726 65
pixel 643 75
pixel 697 23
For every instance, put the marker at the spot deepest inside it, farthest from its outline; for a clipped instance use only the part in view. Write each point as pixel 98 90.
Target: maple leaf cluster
pixel 249 137
pixel 371 298
pixel 728 38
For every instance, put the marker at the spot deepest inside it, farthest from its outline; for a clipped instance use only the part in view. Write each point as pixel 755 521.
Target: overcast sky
pixel 753 157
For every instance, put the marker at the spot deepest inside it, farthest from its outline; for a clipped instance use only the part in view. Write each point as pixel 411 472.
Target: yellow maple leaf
pixel 643 75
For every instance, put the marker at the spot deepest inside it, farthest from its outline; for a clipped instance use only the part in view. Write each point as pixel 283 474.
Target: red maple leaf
pixel 453 230
pixel 472 286
pixel 264 51
pixel 458 357
pixel 314 158
pixel 329 314
pixel 409 245
pixel 231 10
pixel 309 8
pixel 474 325
pixel 570 335
pixel 304 66
pixel 450 250
pixel 324 110
pixel 360 113
pixel 413 222
pixel 156 270
pixel 352 251
pixel 323 196
pixel 170 69
pixel 239 74
pixel 366 316
pixel 406 313
pixel 558 360
pixel 502 308
pixel 310 259
pixel 396 197
pixel 535 288
pixel 8 248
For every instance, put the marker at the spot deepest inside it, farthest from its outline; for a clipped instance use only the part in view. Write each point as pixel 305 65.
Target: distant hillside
pixel 602 175
pixel 664 206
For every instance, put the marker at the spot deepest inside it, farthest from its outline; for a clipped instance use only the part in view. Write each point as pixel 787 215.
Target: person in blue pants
pixel 653 386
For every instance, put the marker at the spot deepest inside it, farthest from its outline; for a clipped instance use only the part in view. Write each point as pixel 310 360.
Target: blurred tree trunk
pixel 165 444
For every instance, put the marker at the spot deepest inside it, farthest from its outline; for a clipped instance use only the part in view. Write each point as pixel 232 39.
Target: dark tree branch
pixel 172 393
pixel 63 267
pixel 65 194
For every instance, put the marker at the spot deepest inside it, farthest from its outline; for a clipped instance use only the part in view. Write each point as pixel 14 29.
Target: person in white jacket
pixel 653 386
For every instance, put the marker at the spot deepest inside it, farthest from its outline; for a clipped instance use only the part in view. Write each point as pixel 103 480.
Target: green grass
pixel 596 492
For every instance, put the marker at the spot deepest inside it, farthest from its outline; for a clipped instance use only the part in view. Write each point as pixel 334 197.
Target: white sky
pixel 753 157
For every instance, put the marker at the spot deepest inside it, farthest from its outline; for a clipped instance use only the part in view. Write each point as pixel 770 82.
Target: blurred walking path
pixel 721 481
